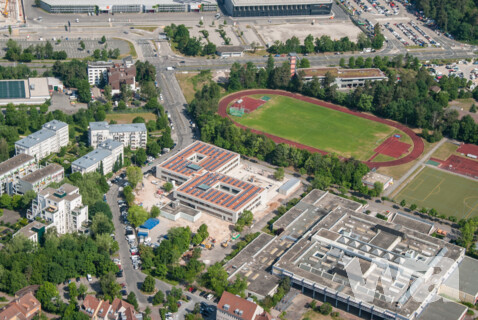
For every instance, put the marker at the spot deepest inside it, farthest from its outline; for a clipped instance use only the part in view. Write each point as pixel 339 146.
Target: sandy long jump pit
pixel 282 32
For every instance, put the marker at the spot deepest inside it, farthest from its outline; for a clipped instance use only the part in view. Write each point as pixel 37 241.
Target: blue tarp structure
pixel 150 223
pixel 142 232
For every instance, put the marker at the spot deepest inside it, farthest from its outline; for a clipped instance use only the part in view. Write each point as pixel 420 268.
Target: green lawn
pixel 318 127
pixel 447 193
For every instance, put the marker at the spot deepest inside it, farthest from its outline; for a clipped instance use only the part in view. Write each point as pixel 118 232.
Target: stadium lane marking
pixel 433 190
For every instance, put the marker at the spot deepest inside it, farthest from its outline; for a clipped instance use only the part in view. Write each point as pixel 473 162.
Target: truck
pixel 130 237
pixel 170 68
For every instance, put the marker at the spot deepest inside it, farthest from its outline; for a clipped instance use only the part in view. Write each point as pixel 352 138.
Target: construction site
pixel 12 14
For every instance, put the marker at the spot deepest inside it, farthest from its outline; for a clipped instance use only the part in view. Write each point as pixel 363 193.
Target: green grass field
pixel 447 193
pixel 318 127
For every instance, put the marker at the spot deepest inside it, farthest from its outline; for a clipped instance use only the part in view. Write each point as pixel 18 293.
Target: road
pixel 134 278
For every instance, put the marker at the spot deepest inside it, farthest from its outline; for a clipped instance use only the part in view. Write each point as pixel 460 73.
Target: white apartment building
pixel 107 153
pixel 61 208
pixel 96 70
pixel 50 139
pixel 133 135
pixel 13 169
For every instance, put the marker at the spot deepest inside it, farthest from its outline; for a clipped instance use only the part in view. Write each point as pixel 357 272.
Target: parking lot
pixel 72 46
pixel 462 69
pixel 399 22
pixel 214 35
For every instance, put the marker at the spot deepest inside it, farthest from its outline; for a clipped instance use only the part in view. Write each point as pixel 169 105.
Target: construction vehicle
pixel 205 244
pixel 225 244
pixel 441 232
pixel 5 12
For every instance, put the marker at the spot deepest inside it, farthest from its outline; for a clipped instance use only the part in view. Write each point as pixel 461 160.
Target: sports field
pixel 317 126
pixel 447 193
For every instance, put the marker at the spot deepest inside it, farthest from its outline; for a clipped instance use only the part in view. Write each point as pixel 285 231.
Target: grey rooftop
pixel 91 158
pixel 117 128
pixel 15 162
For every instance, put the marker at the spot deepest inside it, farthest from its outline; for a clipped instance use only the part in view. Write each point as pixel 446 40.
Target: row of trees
pixel 187 45
pixel 326 44
pixel 455 16
pixel 15 52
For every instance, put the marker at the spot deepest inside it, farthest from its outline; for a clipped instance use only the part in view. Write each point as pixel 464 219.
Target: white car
pixel 88 277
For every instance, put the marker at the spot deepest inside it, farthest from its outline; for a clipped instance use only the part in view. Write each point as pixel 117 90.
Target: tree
pixel 132 300
pixel 158 298
pixel 134 175
pixel 46 295
pixel 304 63
pixel 140 157
pixel 10 30
pixel 103 39
pixel 279 174
pixel 403 203
pixel 352 62
pixel 99 206
pixel 101 224
pixel 84 94
pixel 473 108
pixel 137 215
pixel 4 155
pixel 378 39
pixel 154 212
pixel 72 291
pixel 413 207
pixel 216 278
pixel 109 286
pixel 82 45
pixel 148 284
pixel 168 186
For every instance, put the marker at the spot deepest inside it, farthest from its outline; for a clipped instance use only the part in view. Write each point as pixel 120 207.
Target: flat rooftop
pixel 277 2
pixel 413 223
pixel 110 144
pixel 466 274
pixel 344 73
pixel 35 138
pixel 13 89
pixel 30 229
pixel 15 162
pixel 341 237
pixel 372 177
pixel 38 87
pixel 443 309
pixel 42 173
pixel 221 190
pixel 92 158
pixel 115 3
pixel 198 158
pixel 118 128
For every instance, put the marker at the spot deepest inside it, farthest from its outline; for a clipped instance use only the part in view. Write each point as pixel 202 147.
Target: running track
pixel 417 141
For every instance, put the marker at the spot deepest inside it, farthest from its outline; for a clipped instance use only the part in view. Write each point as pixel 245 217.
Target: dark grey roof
pixel 443 309
pixel 15 162
pixel 468 281
pixel 35 176
pixel 289 184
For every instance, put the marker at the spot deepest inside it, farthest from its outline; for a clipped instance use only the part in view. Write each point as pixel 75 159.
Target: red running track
pixel 418 145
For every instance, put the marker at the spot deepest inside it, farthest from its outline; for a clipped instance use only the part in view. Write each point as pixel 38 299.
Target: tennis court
pixel 447 193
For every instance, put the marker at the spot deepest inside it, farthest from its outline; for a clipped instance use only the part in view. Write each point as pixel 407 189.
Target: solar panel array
pixel 218 197
pixel 214 158
pixel 12 89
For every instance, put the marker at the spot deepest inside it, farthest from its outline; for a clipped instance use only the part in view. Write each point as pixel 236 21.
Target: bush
pixel 325 309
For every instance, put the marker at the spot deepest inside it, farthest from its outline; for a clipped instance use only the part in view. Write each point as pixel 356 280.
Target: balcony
pixel 51 209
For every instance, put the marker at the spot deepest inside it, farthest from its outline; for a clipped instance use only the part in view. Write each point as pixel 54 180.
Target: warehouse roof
pixel 276 2
pixel 198 156
pixel 91 158
pixel 15 162
pixel 49 170
pixel 221 190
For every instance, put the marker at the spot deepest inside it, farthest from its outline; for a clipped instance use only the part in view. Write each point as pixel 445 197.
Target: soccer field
pixel 317 126
pixel 447 193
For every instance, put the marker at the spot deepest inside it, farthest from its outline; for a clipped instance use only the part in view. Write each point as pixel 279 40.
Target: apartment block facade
pixel 132 135
pixel 50 139
pixel 61 208
pixel 105 156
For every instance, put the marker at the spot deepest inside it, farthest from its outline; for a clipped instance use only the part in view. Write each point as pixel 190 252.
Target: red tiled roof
pixel 21 308
pixel 213 159
pixel 90 305
pixel 263 316
pixel 119 305
pixel 236 303
pixel 205 187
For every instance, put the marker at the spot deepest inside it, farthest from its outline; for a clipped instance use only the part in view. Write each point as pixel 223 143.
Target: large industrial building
pixel 344 78
pixel 126 6
pixel 372 268
pixel 28 91
pixel 201 171
pixel 40 144
pixel 133 135
pixel 267 8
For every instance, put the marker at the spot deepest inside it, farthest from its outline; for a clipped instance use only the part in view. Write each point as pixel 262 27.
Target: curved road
pixel 418 145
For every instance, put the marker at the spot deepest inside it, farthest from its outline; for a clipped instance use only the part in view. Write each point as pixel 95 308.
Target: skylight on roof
pixel 194 167
pixel 203 187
